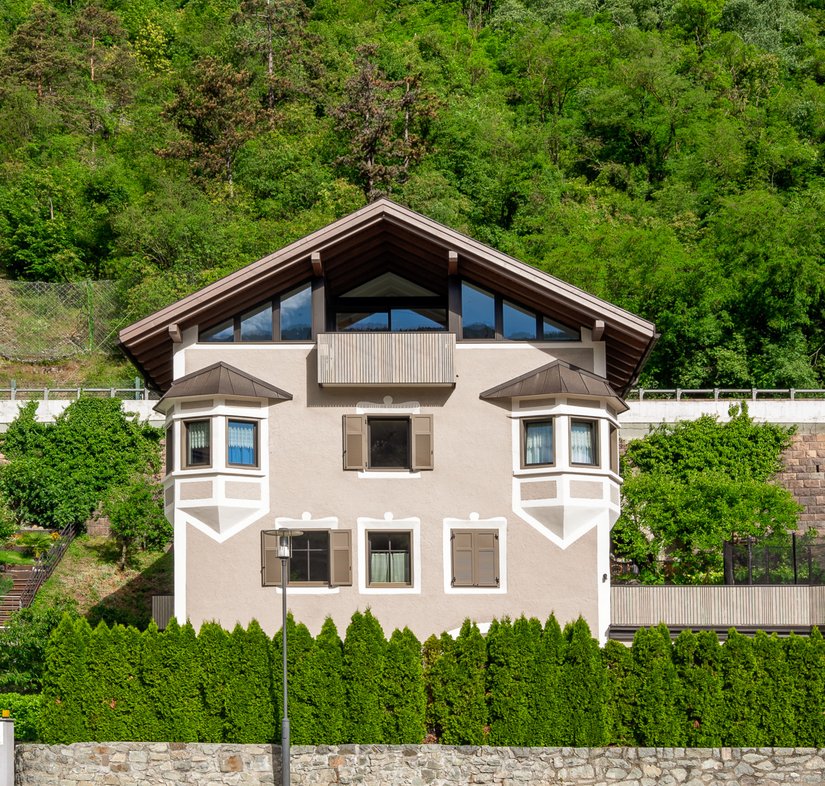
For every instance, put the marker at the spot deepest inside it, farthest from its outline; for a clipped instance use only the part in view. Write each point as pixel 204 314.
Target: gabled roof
pixel 386 237
pixel 558 377
pixel 221 379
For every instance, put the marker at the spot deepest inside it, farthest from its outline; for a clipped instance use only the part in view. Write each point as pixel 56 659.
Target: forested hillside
pixel 664 154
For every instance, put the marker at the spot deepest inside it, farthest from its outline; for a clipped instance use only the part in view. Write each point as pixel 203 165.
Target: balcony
pixel 366 359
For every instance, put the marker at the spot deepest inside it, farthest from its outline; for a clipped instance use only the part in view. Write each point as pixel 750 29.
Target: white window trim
pixel 412 525
pixel 474 522
pixel 306 522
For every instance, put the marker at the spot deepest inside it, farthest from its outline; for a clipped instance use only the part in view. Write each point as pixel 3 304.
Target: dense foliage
pixel 664 154
pixel 522 685
pixel 691 486
pixel 58 473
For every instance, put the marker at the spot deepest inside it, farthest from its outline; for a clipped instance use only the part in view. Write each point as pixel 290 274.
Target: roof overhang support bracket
pixel 597 331
pixel 175 333
pixel 452 263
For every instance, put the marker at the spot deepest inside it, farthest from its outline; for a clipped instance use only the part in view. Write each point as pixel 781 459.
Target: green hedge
pixel 523 684
pixel 25 709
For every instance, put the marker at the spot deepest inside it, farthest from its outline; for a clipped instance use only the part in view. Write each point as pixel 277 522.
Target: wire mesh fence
pixel 41 321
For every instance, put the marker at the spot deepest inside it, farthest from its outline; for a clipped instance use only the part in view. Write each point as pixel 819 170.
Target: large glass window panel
pixel 389 443
pixel 405 319
pixel 553 331
pixel 225 331
pixel 389 561
pixel 296 314
pixel 519 324
pixel 538 442
pixel 363 321
pixel 478 312
pixel 583 449
pixel 242 443
pixel 198 443
pixel 309 562
pixel 256 325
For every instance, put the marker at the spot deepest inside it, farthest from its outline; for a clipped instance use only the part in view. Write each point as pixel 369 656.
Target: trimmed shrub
pixel 740 688
pixel 25 709
pixel 618 663
pixel 66 683
pixel 701 701
pixel 364 654
pixel 510 669
pixel 301 685
pixel 328 699
pixel 776 719
pixel 583 688
pixel 215 667
pixel 405 702
pixel 546 698
pixel 806 664
pixel 655 690
pixel 250 706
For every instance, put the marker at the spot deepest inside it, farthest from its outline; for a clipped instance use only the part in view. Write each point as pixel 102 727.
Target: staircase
pixel 13 600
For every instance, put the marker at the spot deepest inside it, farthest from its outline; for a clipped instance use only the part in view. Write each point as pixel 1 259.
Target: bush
pixel 363 670
pixel 25 710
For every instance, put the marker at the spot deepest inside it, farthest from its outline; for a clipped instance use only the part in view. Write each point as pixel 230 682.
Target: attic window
pixel 485 315
pixel 286 318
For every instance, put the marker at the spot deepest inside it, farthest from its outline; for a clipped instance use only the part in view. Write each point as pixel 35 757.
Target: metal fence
pixel 797 562
pixel 724 394
pixel 42 321
pixel 135 393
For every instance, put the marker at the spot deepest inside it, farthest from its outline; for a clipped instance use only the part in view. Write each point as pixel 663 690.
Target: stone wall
pixel 804 476
pixel 129 764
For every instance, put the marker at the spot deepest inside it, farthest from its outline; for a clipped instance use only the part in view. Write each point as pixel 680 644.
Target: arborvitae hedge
pixel 522 685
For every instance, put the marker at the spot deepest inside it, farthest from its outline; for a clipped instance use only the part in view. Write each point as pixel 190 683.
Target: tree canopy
pixel 666 155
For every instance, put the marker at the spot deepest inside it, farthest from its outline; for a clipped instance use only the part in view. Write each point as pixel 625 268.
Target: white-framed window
pixel 584 442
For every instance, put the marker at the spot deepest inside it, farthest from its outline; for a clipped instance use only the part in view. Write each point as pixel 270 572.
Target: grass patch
pixel 88 575
pixel 98 369
pixel 8 557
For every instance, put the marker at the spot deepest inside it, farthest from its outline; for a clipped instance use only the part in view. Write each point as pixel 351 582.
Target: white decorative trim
pixel 387 407
pixel 474 522
pixel 401 475
pixel 179 554
pixel 603 580
pixel 389 524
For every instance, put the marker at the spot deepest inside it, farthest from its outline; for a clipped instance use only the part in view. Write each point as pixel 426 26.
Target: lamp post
pixel 284 552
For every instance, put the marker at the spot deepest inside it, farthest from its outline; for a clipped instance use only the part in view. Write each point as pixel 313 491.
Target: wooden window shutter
pixel 422 442
pixel 340 547
pixel 486 558
pixel 270 564
pixel 462 558
pixel 355 442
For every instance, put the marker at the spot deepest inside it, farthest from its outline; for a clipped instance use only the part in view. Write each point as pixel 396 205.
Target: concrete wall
pixel 130 764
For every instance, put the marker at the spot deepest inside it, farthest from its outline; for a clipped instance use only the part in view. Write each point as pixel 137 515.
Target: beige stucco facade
pixel 553 523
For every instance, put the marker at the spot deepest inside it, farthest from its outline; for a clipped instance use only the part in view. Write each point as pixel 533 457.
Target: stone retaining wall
pixel 129 764
pixel 804 476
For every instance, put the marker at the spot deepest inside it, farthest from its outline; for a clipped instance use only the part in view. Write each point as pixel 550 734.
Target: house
pixel 438 419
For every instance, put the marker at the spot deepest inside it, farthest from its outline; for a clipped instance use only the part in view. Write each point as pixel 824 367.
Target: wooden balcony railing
pixel 386 358
pixel 782 608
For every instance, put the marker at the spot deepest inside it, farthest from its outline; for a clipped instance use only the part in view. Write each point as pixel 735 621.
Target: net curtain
pixel 241 442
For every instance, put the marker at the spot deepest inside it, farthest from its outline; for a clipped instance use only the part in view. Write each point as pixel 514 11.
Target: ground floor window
pixel 389 558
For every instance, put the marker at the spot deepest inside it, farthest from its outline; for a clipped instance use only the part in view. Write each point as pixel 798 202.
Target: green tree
pixel 697 659
pixel 584 688
pixel 250 706
pixel 327 697
pixel 546 697
pixel 363 669
pixel 806 664
pixel 216 666
pixel 510 666
pixel 403 695
pixel 741 687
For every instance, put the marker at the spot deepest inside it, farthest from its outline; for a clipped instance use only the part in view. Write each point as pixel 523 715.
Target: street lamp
pixel 284 537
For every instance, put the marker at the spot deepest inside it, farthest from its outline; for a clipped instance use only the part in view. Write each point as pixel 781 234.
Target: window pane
pixel 553 331
pixel 478 312
pixel 256 325
pixel 538 442
pixel 296 314
pixel 519 324
pixel 310 558
pixel 225 331
pixel 363 321
pixel 389 443
pixel 389 557
pixel 197 443
pixel 419 319
pixel 241 443
pixel 582 442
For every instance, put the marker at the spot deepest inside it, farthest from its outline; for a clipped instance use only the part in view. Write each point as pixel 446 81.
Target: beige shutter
pixel 422 442
pixel 340 548
pixel 462 558
pixel 270 564
pixel 486 558
pixel 355 442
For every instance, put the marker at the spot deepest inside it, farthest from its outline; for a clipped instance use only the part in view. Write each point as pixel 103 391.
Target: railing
pixel 751 563
pixel 717 607
pixel 716 394
pixel 386 358
pixel 44 567
pixel 136 393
